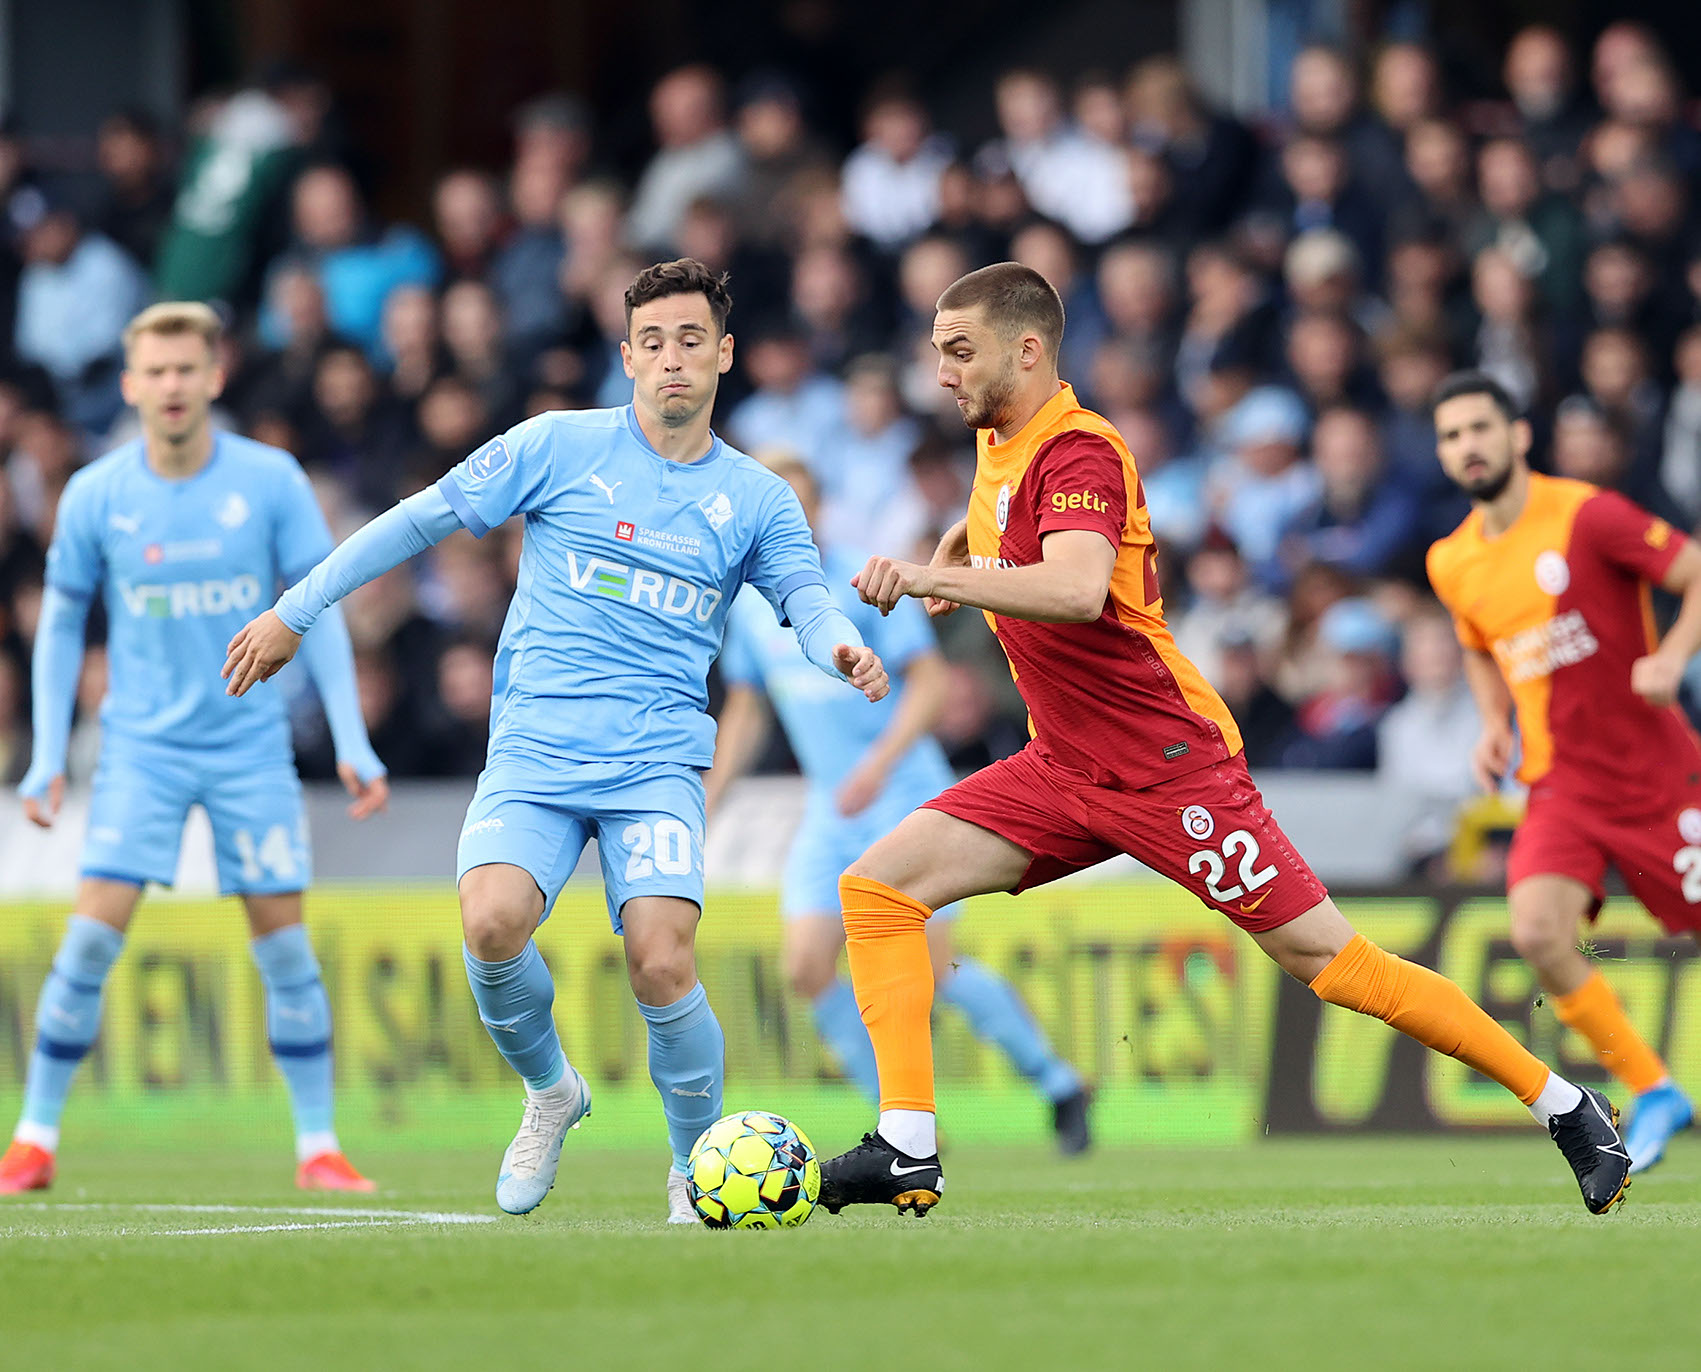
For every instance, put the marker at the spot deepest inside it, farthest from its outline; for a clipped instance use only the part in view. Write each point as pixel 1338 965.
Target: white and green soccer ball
pixel 753 1170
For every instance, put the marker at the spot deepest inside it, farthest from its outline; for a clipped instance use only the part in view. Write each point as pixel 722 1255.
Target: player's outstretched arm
pixel 54 669
pixel 953 551
pixel 831 641
pixel 1067 586
pixel 1657 676
pixel 925 678
pixel 271 639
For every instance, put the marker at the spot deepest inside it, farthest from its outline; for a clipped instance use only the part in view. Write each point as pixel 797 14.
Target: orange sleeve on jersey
pixel 1445 584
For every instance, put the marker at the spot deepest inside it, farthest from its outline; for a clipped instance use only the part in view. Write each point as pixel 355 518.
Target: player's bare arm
pixel 741 730
pixel 1657 676
pixel 918 710
pixel 258 652
pixel 1491 758
pixel 953 551
pixel 1067 586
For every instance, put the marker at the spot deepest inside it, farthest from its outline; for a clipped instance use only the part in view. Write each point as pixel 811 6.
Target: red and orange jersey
pixel 1113 699
pixel 1562 602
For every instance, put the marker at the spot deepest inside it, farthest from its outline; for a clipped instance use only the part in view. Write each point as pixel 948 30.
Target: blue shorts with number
pixel 142 794
pixel 647 818
pixel 827 842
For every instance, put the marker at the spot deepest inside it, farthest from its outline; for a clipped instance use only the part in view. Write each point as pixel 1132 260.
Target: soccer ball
pixel 753 1170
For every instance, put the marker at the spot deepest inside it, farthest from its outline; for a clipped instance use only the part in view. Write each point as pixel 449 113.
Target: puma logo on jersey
pixel 125 524
pixel 604 487
pixel 1078 500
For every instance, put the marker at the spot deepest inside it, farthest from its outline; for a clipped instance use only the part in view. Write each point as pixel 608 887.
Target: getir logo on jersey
pixel 186 599
pixel 1078 500
pixel 640 586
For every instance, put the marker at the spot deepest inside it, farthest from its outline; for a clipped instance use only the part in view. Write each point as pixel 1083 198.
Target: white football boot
pixel 529 1165
pixel 679 1207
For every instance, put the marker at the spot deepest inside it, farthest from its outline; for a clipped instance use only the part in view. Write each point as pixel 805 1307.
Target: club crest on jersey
pixel 1689 825
pixel 717 509
pixel 1003 510
pixel 1553 573
pixel 1199 822
pixel 232 512
pixel 491 459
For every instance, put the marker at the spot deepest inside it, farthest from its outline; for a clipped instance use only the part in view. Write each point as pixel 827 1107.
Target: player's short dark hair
pixel 1474 383
pixel 684 276
pixel 1014 297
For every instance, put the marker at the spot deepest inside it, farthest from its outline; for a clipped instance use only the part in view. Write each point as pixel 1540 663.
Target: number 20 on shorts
pixel 664 847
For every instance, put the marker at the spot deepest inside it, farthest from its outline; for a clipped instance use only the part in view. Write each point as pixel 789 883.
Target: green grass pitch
pixel 1381 1254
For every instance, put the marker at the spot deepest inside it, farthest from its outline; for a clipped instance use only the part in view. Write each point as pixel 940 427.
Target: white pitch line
pixel 407 1216
pixel 273 1228
pixel 335 1217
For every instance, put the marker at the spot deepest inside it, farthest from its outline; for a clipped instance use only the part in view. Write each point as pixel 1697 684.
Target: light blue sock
pixel 514 1001
pixel 996 1013
pixel 688 1066
pixel 298 1027
pixel 840 1025
pixel 67 1018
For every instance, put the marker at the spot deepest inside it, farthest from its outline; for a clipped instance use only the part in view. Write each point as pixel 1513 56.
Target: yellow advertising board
pixel 1186 1031
pixel 1160 1003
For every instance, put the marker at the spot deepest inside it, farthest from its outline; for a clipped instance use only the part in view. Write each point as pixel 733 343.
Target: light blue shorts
pixel 141 798
pixel 647 818
pixel 827 842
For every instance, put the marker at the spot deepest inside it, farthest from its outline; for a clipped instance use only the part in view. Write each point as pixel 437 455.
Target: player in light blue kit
pixel 640 528
pixel 183 533
pixel 867 769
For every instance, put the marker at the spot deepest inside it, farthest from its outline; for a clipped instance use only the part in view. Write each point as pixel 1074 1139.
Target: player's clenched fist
pixel 863 668
pixel 884 581
pixel 255 654
pixel 1656 678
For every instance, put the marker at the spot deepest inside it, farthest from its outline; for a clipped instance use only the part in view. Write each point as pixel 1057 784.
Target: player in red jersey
pixel 1132 752
pixel 1548 584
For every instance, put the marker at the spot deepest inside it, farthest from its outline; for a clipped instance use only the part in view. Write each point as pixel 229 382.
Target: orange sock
pixel 1594 1012
pixel 1429 1008
pixel 886 940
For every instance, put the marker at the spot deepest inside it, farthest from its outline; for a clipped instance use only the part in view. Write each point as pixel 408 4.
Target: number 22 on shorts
pixel 1240 843
pixel 1687 863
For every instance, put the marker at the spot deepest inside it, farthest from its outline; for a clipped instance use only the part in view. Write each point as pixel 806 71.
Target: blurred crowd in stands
pixel 1261 310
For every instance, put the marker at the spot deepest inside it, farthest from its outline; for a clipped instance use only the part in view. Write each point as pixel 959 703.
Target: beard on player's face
pixel 986 409
pixel 1484 477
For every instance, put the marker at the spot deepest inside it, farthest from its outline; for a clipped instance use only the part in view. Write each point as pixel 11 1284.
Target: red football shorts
pixel 1658 853
pixel 1209 831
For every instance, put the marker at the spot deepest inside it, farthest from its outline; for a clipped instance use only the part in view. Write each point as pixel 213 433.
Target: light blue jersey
pixel 182 566
pixel 831 731
pixel 629 566
pixel 828 727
